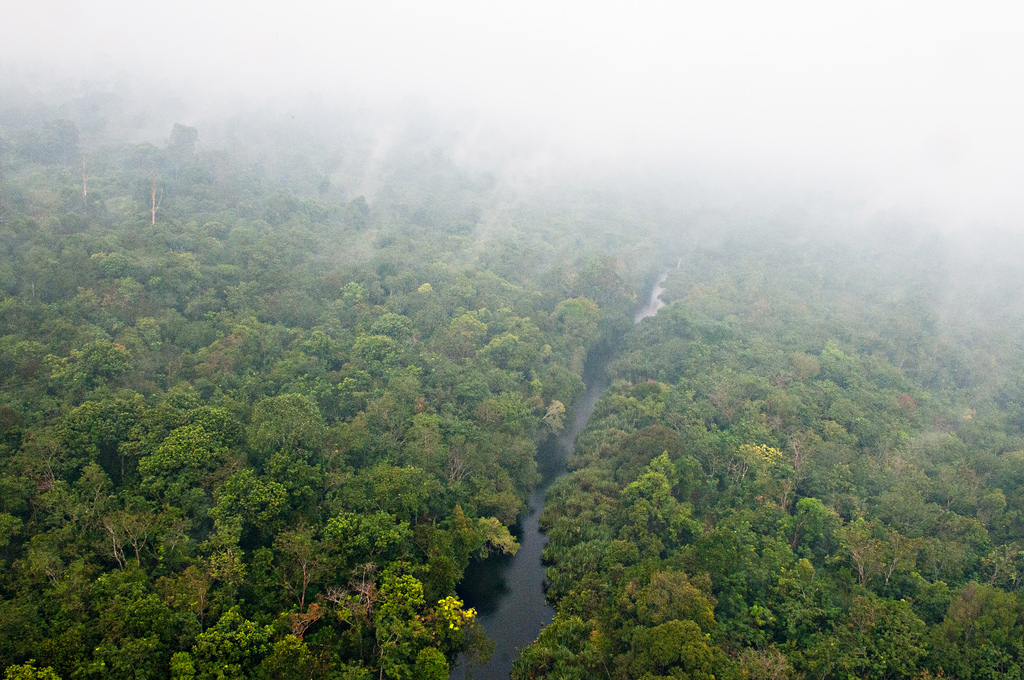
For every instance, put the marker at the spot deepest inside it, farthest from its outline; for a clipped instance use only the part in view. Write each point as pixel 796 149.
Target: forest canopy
pixel 256 424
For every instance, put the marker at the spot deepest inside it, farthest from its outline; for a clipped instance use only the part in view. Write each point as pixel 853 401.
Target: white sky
pixel 917 103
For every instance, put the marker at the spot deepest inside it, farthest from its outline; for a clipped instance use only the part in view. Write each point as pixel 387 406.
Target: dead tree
pixel 156 203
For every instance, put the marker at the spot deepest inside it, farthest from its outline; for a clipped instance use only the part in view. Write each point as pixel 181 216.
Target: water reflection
pixel 508 592
pixel 654 303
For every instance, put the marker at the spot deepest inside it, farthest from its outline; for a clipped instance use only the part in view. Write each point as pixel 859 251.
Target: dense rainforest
pixel 263 401
pixel 808 465
pixel 254 432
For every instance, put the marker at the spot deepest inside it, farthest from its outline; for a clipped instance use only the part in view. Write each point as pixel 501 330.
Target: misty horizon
pixel 911 108
pixel 448 340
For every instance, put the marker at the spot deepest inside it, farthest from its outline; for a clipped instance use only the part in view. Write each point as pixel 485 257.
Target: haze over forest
pixel 322 351
pixel 911 106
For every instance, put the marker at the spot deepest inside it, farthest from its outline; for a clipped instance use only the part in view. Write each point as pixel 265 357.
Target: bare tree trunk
pixel 155 203
pixel 305 582
pixel 115 544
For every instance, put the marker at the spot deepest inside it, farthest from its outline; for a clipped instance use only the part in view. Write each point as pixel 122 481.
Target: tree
pixel 182 470
pixel 103 431
pixel 982 635
pixel 650 516
pixel 568 647
pixel 290 421
pixel 233 648
pixel 553 417
pixel 400 632
pixel 182 143
pixel 579 317
pixel 674 648
pixel 808 521
pixel 302 561
pixel 881 639
pixel 431 665
pixel 671 596
pixel 289 659
pixel 256 501
pixel 29 671
pixel 765 664
pixel 154 204
pixel 97 364
pixel 864 550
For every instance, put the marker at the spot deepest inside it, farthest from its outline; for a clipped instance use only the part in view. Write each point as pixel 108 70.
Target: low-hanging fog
pixel 324 350
pixel 912 106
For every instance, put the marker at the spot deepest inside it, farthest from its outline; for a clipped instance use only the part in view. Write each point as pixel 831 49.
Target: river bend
pixel 508 592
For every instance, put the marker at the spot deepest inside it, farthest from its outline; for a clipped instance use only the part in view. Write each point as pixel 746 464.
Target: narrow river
pixel 508 592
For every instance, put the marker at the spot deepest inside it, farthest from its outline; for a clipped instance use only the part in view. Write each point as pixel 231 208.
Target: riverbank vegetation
pixel 808 465
pixel 263 400
pixel 253 427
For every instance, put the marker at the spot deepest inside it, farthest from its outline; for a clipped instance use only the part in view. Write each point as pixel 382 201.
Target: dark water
pixel 508 592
